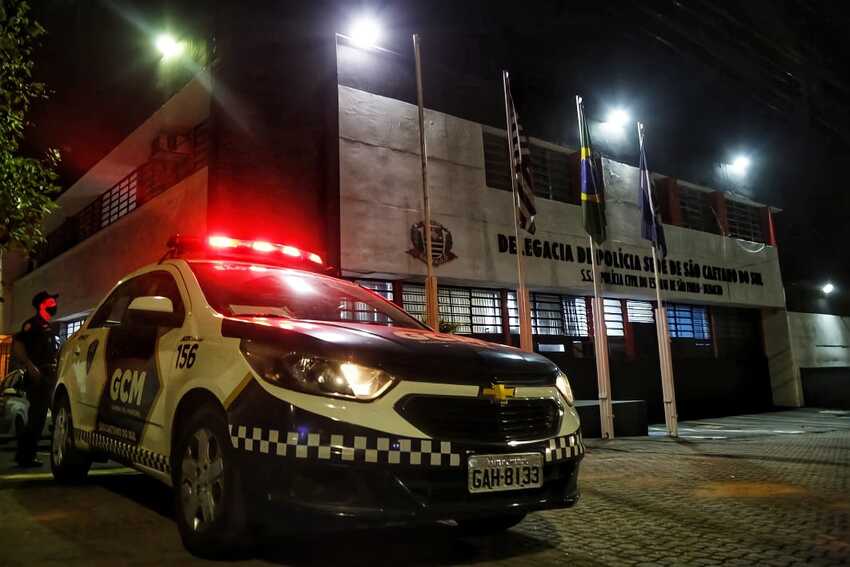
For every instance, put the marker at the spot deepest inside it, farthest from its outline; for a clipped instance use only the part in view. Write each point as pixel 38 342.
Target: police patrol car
pixel 266 392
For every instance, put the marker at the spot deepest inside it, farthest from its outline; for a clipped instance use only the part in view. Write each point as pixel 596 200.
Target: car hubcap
pixel 202 480
pixel 60 436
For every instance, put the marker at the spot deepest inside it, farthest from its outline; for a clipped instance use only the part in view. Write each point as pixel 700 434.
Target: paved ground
pixel 756 496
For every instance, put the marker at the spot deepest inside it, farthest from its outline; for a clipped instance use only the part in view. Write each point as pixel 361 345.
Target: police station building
pixel 330 162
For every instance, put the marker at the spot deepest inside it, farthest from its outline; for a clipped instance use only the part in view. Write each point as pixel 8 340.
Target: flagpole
pixel 432 309
pixel 600 334
pixel 600 344
pixel 525 341
pixel 664 355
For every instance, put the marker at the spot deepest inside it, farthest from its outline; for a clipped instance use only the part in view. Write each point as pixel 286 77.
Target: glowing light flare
pixel 365 32
pixel 299 285
pixel 262 246
pixel 291 251
pixel 362 381
pixel 222 242
pixel 740 165
pixel 827 288
pixel 618 118
pixel 315 258
pixel 168 46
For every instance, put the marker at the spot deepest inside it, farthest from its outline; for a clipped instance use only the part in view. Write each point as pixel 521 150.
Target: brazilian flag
pixel 592 197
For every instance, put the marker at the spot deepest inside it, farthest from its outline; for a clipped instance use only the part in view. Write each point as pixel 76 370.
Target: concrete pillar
pixel 784 368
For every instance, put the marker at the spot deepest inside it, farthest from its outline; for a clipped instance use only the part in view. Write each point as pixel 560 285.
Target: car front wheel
pixel 209 505
pixel 67 463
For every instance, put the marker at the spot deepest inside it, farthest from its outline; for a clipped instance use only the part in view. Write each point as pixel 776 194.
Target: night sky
pixel 710 80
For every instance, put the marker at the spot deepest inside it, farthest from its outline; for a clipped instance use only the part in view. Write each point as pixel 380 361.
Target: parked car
pixel 266 392
pixel 14 407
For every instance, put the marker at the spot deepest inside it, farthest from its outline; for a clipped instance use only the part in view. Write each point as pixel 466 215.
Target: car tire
pixel 68 464
pixel 209 506
pixel 489 526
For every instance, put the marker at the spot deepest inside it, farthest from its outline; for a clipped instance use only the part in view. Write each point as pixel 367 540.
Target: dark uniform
pixel 42 347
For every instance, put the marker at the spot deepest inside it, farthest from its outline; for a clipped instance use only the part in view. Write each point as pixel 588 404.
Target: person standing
pixel 35 348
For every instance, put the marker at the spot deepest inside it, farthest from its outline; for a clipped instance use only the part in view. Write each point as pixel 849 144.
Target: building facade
pixel 190 169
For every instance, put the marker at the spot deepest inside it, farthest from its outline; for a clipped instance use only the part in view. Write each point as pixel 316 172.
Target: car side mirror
pixel 152 311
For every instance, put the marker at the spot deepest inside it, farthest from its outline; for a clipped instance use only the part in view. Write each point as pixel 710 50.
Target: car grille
pixel 480 420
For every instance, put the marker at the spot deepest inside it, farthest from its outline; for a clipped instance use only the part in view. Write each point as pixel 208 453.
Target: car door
pixel 86 373
pixel 132 364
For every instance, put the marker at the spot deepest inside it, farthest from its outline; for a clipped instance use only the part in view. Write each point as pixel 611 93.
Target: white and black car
pixel 268 393
pixel 14 406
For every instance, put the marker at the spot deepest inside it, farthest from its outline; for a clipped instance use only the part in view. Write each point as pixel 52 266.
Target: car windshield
pixel 236 289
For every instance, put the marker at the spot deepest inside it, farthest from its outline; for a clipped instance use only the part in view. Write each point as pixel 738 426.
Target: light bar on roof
pixel 262 246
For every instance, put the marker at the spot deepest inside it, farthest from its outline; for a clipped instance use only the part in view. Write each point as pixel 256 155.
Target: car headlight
pixel 563 385
pixel 315 374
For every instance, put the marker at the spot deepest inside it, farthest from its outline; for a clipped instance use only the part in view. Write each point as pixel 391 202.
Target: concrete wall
pixel 187 108
pixel 84 274
pixel 781 350
pixel 819 340
pixel 821 345
pixel 380 193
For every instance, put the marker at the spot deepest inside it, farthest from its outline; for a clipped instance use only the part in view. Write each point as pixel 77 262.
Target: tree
pixel 27 184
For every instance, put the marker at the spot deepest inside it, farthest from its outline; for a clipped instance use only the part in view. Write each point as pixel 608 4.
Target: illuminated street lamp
pixel 365 32
pixel 168 46
pixel 618 118
pixel 739 166
pixel 827 288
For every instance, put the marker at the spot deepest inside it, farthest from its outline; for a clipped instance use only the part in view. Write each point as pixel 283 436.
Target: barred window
pixel 119 200
pixel 68 328
pixel 548 167
pixel 575 312
pixel 640 312
pixel 744 221
pixel 359 311
pixel 381 287
pixel 696 210
pixel 471 310
pixel 551 314
pixel 613 317
pixel 688 322
pixel 496 168
pixel 551 175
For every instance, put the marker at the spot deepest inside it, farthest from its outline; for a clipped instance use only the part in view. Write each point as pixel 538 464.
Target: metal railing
pixel 138 187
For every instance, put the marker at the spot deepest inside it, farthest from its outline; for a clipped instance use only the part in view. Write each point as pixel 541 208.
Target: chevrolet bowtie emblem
pixel 498 393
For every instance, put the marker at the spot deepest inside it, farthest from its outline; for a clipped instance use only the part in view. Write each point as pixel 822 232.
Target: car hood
pixel 412 354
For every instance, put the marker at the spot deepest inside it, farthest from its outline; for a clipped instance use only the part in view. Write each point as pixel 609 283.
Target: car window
pixel 114 309
pixel 166 286
pixel 236 289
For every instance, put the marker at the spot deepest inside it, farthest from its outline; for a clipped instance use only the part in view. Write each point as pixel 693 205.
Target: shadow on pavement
pixel 423 545
pixel 428 545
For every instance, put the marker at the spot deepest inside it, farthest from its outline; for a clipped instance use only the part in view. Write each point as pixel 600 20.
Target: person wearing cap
pixel 35 348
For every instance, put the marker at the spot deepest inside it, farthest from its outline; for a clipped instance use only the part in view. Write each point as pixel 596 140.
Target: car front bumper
pixel 327 472
pixel 333 496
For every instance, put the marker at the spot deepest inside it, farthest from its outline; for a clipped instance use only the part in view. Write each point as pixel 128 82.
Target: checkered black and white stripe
pixel 566 447
pixel 344 448
pixel 123 451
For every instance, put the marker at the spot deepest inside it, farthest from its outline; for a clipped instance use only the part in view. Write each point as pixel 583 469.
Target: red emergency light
pixel 221 246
